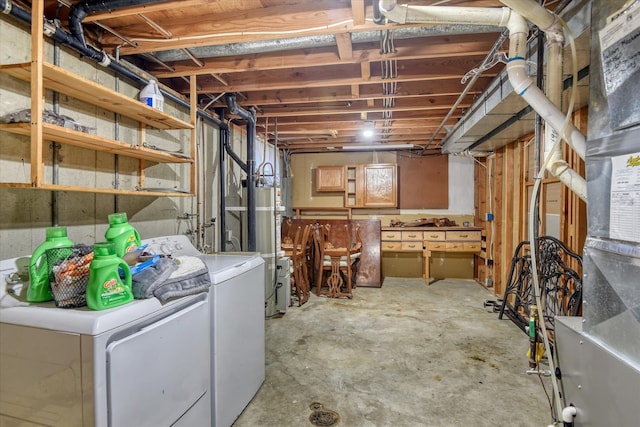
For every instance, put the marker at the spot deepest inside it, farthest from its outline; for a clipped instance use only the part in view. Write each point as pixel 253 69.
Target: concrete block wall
pixel 25 213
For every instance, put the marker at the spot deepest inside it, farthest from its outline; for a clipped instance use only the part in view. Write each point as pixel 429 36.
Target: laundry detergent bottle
pixel 39 287
pixel 122 234
pixel 105 288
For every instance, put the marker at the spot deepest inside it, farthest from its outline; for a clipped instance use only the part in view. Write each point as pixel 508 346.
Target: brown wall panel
pixel 424 182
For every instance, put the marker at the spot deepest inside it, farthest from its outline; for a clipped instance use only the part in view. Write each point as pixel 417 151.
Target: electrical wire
pixel 533 238
pixel 546 394
pixel 244 33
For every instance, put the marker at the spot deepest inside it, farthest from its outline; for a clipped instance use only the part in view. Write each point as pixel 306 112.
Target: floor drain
pixel 323 417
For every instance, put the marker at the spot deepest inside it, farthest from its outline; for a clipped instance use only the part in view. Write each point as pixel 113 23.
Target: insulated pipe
pixel 59 35
pixel 234 108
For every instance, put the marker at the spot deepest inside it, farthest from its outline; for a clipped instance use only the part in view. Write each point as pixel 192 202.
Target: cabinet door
pixel 330 178
pixel 379 182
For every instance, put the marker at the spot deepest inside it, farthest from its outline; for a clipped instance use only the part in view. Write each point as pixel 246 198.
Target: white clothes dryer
pixel 237 307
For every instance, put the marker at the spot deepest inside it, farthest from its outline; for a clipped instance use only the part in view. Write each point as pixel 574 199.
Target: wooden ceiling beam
pixel 336 76
pixel 416 49
pixel 303 19
pixel 409 89
pixel 358 11
pixel 345 48
pixel 148 8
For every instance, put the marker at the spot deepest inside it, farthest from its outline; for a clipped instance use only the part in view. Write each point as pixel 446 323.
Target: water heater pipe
pixel 516 67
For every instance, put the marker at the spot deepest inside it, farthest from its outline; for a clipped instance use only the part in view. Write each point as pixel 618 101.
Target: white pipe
pixel 516 67
pixel 402 14
pixel 569 413
pixel 539 16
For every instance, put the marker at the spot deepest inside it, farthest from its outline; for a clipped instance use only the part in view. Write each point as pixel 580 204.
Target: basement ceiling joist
pixel 310 66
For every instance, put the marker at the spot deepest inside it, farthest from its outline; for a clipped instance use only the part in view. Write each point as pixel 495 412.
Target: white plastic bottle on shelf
pixel 151 96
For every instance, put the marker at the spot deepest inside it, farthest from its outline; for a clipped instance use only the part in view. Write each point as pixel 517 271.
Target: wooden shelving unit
pixel 64 82
pixel 42 75
pixel 97 143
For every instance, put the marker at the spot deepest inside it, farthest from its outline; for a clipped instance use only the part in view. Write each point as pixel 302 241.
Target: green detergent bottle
pixel 105 288
pixel 39 287
pixel 122 234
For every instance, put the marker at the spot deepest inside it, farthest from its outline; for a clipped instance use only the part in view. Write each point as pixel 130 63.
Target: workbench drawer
pixel 412 246
pixel 437 246
pixel 472 246
pixel 391 235
pixel 412 236
pixel 455 247
pixel 437 236
pixel 464 235
pixel 391 246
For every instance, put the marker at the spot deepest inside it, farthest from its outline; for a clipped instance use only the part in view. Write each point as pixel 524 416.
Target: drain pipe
pixel 223 138
pixel 59 35
pixel 516 67
pixel 550 25
pixel 80 11
pixel 249 117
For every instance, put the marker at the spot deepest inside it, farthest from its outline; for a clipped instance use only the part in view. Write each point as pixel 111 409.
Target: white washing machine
pixel 140 364
pixel 237 306
pixel 196 361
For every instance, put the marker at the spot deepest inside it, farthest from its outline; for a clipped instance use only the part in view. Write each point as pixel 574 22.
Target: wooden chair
pixel 300 285
pixel 336 273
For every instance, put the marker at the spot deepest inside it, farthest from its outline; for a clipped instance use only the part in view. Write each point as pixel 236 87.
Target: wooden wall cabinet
pixel 330 178
pixel 371 186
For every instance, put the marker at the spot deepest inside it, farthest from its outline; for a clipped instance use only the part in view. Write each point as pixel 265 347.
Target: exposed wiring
pixel 546 394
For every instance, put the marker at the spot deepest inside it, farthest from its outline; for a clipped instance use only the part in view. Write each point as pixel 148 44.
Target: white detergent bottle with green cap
pixel 122 234
pixel 39 287
pixel 106 288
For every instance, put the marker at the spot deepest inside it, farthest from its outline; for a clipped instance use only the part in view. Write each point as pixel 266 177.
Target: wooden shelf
pixel 93 142
pixel 62 81
pixel 129 192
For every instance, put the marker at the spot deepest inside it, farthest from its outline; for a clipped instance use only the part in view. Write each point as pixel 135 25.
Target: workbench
pixel 429 239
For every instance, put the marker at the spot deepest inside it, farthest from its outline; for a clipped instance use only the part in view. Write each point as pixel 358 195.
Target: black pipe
pixel 80 11
pixel 102 58
pixel 378 17
pixel 234 108
pixel 538 129
pixel 234 156
pixel 224 137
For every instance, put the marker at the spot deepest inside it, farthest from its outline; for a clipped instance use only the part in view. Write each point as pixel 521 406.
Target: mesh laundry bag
pixel 69 274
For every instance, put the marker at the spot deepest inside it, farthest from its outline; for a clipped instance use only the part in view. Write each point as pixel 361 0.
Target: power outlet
pixel 229 235
pixel 489 216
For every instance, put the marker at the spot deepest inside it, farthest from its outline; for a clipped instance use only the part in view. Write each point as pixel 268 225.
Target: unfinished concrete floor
pixel 401 355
